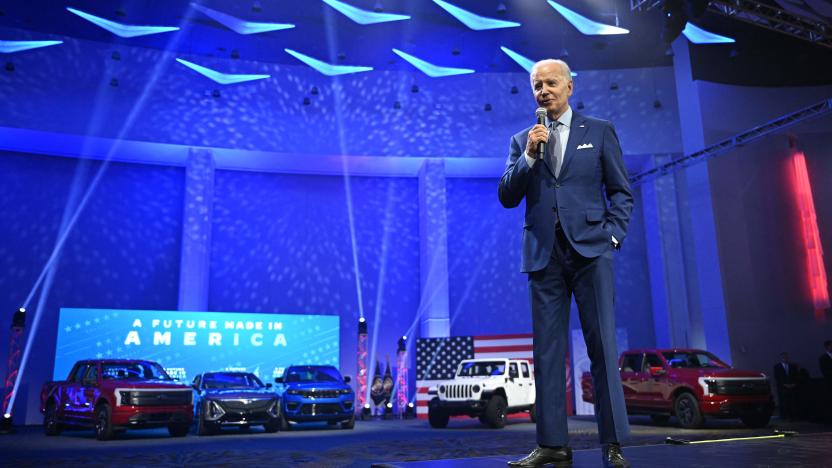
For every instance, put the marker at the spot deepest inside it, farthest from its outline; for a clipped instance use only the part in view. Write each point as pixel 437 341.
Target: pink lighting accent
pixel 361 375
pixel 815 271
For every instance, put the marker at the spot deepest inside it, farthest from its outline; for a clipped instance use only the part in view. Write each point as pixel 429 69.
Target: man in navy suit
pixel 578 204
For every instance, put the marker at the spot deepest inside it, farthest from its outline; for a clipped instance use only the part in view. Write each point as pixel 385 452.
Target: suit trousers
pixel 551 290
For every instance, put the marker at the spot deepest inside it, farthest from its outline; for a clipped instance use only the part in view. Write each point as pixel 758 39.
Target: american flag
pixel 438 358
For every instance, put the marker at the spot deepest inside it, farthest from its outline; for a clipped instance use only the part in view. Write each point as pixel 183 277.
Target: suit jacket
pixel 781 377
pixel 576 197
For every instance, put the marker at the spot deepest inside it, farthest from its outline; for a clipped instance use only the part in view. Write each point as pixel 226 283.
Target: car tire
pixel 533 413
pixel 178 430
pixel 437 417
pixel 660 419
pixel 349 423
pixel 495 412
pixel 284 423
pixel 51 425
pixel 687 411
pixel 203 427
pixel 272 426
pixel 755 420
pixel 103 422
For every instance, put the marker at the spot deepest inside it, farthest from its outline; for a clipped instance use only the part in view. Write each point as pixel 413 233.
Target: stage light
pixel 6 423
pixel 487 107
pixel 613 86
pixel 514 90
pixel 215 94
pixel 657 104
pixel 306 101
pixel 585 25
pixel 389 405
pixel 674 20
pixel 218 77
pixel 364 17
pixel 235 54
pixel 19 318
pixel 564 53
pixel 114 82
pixel 580 105
pixel 698 35
pixel 402 344
pixel 256 7
pixel 115 55
pixel 122 30
pixel 414 89
pixel 8 47
pixel 397 105
pixel 240 26
pixel 501 8
pixel 365 411
pixel 474 21
pixel 429 69
pixel 326 68
pixel 314 91
pixel 9 67
pixel 455 51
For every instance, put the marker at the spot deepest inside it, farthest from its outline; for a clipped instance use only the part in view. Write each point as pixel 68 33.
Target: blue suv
pixel 315 393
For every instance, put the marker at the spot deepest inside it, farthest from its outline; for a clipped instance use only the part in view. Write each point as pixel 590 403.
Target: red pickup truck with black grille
pixel 116 394
pixel 690 384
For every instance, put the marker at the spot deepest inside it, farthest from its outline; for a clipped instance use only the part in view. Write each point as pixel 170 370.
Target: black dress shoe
pixel 542 456
pixel 613 458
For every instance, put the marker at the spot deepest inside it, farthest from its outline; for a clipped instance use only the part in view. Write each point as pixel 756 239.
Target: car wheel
pixel 755 420
pixel 103 424
pixel 349 423
pixel 51 426
pixel 178 430
pixel 204 427
pixel 533 413
pixel 495 412
pixel 272 426
pixel 284 423
pixel 437 417
pixel 660 419
pixel 687 411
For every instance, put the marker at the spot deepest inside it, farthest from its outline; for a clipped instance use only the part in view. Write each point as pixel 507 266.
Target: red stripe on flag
pixel 502 349
pixel 422 390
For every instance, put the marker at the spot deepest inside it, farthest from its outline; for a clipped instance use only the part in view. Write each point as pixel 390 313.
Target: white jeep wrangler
pixel 484 388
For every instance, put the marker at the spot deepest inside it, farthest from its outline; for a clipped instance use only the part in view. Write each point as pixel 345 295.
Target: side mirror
pixel 346 379
pixel 195 386
pixel 268 385
pixel 278 380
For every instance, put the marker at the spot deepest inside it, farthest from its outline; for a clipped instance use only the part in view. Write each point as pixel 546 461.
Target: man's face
pixel 551 88
pixel 784 357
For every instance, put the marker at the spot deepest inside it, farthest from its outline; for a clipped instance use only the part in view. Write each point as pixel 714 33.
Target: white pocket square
pixel 585 146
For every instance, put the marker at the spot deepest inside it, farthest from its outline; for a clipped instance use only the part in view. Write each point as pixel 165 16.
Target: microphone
pixel 540 113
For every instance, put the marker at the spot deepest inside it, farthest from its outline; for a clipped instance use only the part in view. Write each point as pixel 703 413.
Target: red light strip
pixel 815 271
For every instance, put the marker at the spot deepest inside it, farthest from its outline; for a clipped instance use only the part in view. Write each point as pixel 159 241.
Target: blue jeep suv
pixel 315 393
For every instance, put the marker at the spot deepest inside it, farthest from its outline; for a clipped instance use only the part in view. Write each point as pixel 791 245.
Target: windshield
pixel 312 374
pixel 693 360
pixel 229 380
pixel 481 368
pixel 133 371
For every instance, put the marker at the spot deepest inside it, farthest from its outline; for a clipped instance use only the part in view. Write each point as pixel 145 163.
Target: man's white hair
pixel 564 67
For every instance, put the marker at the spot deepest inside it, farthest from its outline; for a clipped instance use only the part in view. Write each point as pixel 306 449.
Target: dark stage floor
pixel 398 442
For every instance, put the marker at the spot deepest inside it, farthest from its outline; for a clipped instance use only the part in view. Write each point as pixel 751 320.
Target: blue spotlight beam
pixel 474 21
pixel 8 47
pixel 524 62
pixel 325 68
pixel 238 25
pixel 431 70
pixel 218 77
pixel 585 25
pixel 122 30
pixel 698 35
pixel 364 17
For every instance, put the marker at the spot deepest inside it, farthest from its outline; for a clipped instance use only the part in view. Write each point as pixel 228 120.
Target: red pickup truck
pixel 689 384
pixel 112 395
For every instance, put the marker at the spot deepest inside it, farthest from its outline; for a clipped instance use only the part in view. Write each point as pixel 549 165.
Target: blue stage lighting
pixel 363 16
pixel 431 70
pixel 221 78
pixel 122 30
pixel 698 35
pixel 240 26
pixel 524 62
pixel 474 21
pixel 585 25
pixel 8 47
pixel 325 68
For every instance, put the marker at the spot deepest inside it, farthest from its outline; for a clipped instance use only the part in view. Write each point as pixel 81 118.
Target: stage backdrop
pixel 187 343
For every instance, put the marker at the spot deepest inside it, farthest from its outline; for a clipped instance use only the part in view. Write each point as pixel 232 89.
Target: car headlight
pixel 125 397
pixel 213 410
pixel 345 391
pixel 441 389
pixel 294 392
pixel 476 389
pixel 274 409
